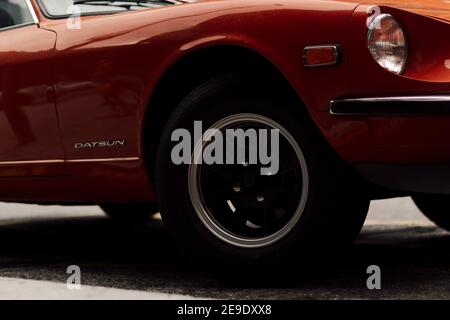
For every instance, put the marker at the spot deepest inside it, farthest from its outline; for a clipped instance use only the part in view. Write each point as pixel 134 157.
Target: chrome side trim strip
pixel 402 98
pixel 391 106
pixel 54 161
pixel 104 159
pixel 32 162
pixel 32 11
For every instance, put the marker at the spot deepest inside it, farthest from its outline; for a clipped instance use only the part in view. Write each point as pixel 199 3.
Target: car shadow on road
pixel 143 257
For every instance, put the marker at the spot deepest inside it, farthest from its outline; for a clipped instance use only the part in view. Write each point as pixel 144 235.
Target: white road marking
pixel 400 223
pixel 22 289
pixel 395 211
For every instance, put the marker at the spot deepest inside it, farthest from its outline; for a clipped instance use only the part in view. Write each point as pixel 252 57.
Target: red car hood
pixel 439 9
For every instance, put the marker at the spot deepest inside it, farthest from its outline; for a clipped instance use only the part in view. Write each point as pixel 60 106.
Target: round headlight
pixel 387 43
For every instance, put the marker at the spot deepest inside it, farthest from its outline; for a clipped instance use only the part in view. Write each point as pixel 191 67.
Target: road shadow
pixel 85 238
pixel 143 257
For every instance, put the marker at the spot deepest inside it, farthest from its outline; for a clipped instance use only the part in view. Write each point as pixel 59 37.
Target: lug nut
pixel 237 187
pixel 260 197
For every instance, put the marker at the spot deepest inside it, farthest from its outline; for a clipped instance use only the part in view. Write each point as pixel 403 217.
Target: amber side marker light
pixel 320 56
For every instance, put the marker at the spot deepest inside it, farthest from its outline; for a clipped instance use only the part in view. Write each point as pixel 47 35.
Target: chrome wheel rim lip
pixel 196 196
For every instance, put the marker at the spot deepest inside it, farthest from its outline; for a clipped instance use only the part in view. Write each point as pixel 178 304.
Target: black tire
pixel 335 207
pixel 130 212
pixel 435 207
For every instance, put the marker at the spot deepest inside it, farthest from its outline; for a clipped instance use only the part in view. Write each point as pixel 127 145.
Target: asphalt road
pixel 38 243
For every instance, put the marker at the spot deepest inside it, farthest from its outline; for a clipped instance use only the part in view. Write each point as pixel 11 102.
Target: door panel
pixel 30 142
pixel 99 86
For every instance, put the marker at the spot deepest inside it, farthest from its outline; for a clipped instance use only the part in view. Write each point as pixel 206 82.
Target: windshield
pixel 64 8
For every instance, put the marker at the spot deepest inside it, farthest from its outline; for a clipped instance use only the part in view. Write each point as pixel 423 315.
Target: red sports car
pixel 260 129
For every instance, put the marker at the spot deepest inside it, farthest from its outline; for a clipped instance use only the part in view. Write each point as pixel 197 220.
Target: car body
pixel 84 108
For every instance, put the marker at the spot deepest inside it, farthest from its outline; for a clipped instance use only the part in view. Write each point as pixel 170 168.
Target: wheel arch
pixel 194 68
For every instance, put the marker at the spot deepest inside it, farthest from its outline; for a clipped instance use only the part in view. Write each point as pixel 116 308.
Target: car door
pixel 30 141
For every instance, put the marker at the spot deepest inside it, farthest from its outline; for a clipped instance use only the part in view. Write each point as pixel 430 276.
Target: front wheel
pixel 435 207
pixel 222 207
